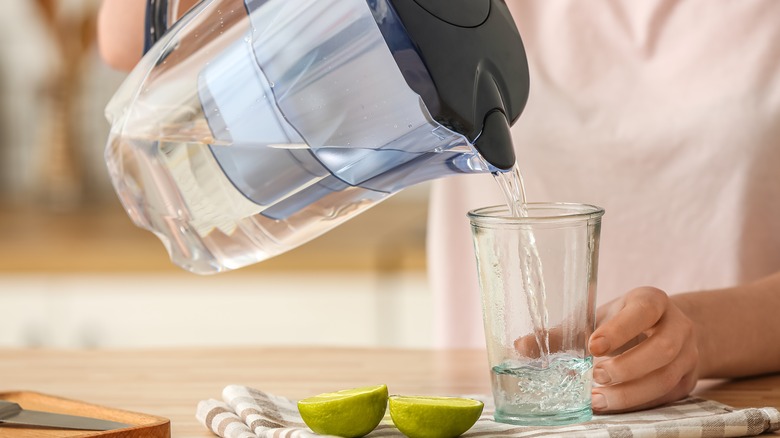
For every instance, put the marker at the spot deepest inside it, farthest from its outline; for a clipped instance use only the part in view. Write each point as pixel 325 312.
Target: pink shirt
pixel 665 113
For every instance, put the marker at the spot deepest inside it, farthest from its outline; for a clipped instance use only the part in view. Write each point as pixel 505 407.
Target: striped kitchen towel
pixel 249 413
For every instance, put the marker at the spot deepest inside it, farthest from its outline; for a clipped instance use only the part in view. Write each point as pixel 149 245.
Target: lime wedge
pixel 434 417
pixel 348 413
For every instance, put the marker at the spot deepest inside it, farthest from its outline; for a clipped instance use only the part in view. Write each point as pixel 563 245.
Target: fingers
pixel 641 309
pixel 664 344
pixel 662 367
pixel 614 401
pixel 528 345
pixel 663 385
pixel 559 339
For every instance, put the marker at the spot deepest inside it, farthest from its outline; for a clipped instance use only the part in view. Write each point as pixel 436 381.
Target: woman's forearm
pixel 738 329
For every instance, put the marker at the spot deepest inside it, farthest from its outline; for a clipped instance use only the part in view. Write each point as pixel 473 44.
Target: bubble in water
pixel 523 389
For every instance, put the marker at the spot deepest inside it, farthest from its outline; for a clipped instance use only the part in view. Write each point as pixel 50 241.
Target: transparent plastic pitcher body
pixel 254 126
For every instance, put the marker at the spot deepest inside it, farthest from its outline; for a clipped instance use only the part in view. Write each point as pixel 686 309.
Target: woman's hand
pixel 650 352
pixel 120 31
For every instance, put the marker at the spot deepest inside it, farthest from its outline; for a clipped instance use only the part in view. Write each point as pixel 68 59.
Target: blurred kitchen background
pixel 75 272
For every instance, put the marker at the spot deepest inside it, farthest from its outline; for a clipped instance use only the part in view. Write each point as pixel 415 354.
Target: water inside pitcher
pixel 254 126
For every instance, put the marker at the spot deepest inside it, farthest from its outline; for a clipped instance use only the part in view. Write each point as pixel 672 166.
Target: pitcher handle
pixel 156 22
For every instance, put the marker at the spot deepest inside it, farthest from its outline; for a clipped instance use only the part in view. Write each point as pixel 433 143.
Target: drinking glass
pixel 537 276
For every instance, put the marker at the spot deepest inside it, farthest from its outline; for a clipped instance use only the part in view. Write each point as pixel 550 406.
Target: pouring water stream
pixel 511 183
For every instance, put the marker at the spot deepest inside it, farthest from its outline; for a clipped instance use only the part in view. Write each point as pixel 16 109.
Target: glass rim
pixel 570 212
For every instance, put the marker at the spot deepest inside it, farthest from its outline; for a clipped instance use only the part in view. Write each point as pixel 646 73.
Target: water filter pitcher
pixel 253 126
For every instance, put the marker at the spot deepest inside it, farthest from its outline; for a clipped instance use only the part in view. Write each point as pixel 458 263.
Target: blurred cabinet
pixel 387 237
pixel 177 310
pixel 90 279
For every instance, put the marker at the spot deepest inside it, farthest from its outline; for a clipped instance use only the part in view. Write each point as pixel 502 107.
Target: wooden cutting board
pixel 141 425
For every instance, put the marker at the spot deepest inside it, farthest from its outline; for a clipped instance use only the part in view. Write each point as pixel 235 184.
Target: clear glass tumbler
pixel 537 274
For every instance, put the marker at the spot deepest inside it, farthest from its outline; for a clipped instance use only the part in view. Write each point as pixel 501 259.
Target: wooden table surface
pixel 169 383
